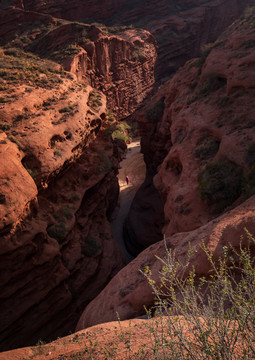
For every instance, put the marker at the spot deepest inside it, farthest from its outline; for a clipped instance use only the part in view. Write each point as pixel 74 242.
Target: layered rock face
pixel 180 27
pixel 187 132
pixel 121 65
pixel 58 182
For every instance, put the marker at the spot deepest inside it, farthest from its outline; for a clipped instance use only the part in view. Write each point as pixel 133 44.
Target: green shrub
pixel 3 100
pixel 48 102
pixel 220 184
pixel 207 149
pixel 94 100
pixel 156 111
pixel 57 153
pixel 211 317
pixel 66 109
pixel 4 127
pixel 122 132
pixel 91 247
pixel 111 117
pixel 57 231
pixel 248 182
pixel 138 53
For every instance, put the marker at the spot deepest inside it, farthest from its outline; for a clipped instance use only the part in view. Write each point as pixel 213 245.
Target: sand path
pixel 133 166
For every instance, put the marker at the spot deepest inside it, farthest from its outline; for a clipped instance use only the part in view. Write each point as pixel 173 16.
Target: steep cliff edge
pixel 58 182
pixel 205 166
pixel 180 27
pixel 187 131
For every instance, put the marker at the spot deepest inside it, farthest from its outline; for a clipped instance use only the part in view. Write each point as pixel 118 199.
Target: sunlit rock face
pixel 180 27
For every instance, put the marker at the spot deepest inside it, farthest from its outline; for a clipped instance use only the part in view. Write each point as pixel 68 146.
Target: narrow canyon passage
pixel 134 167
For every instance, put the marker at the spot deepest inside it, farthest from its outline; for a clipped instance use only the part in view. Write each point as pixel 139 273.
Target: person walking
pixel 127 180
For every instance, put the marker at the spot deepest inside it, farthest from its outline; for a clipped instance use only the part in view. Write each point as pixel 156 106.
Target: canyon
pixel 65 86
pixel 180 27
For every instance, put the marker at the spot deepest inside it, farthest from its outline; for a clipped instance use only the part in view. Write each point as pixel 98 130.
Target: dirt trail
pixel 133 166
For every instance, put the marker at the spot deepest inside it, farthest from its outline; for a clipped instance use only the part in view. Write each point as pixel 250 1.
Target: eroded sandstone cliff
pixel 180 27
pixel 187 132
pixel 58 185
pixel 58 166
pixel 119 64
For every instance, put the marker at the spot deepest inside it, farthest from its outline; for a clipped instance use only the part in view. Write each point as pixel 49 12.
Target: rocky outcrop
pixel 117 339
pixel 58 182
pixel 180 27
pixel 188 131
pixel 58 187
pixel 121 65
pixel 129 290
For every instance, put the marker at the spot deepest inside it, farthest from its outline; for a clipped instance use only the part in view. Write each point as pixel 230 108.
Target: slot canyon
pixel 126 131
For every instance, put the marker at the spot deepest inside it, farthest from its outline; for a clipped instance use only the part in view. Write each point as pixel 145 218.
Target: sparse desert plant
pixel 122 131
pixel 57 231
pixel 110 115
pixel 48 102
pixel 207 148
pixel 57 153
pixel 211 317
pixel 248 182
pixel 66 109
pixel 91 247
pixel 138 53
pixel 95 100
pixel 4 127
pixel 220 184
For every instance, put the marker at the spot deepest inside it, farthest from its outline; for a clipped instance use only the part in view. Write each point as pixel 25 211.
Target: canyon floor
pixel 132 166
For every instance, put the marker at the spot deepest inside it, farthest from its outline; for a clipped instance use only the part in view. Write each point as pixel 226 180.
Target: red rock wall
pixel 122 66
pixel 58 187
pixel 180 27
pixel 206 120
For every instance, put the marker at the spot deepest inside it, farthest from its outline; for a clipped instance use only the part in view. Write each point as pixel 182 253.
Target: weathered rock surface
pixel 180 27
pixel 58 187
pixel 197 138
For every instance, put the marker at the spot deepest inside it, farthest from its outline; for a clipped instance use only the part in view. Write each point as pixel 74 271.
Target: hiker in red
pixel 127 180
